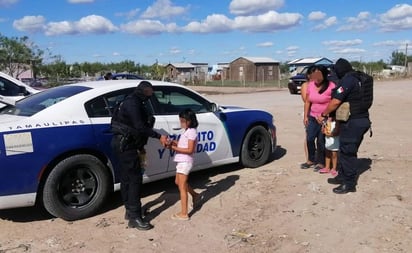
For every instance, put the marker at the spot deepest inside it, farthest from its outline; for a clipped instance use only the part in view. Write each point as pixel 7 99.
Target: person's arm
pixel 303 90
pixel 189 150
pixel 306 109
pixel 139 125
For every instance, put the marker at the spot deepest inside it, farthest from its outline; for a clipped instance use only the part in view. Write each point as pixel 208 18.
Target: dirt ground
pixel 275 208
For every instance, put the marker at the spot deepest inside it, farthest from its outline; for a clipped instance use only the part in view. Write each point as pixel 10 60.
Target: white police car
pixel 55 145
pixel 12 90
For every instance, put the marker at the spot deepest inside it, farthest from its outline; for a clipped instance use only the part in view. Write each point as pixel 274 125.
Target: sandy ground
pixel 275 208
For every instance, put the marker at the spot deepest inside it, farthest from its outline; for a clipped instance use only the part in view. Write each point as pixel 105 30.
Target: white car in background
pixel 12 90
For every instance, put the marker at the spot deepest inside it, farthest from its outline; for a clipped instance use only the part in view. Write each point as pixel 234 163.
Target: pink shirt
pixel 319 102
pixel 189 134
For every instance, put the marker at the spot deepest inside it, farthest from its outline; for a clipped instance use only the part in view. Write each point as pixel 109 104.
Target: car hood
pixel 6 101
pixel 231 108
pixel 5 118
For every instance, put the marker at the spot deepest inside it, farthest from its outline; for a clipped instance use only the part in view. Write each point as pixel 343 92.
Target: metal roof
pixel 307 61
pixel 182 65
pixel 259 59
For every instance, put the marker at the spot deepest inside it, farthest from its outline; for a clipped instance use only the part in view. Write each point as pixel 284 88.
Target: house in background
pixel 187 73
pixel 297 65
pixel 221 71
pixel 254 69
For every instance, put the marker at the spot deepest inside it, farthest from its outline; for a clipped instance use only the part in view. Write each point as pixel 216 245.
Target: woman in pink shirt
pixel 185 149
pixel 318 95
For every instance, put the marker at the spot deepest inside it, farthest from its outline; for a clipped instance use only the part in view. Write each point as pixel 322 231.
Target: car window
pixel 10 89
pixel 169 100
pixel 104 105
pixel 39 101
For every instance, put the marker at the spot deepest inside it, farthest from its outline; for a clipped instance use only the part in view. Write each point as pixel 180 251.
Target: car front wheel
pixel 256 147
pixel 76 188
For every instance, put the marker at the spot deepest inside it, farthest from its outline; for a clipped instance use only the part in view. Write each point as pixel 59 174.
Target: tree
pixel 18 55
pixel 397 58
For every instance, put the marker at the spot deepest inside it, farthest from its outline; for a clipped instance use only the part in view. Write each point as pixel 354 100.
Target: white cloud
pixel 392 43
pixel 326 23
pixel 7 2
pixel 31 24
pixel 342 43
pixel 265 44
pixel 215 23
pixel 247 7
pixel 163 9
pixel 174 50
pixel 129 15
pixel 80 1
pixel 397 18
pixel 348 51
pixel 60 28
pixel 292 48
pixel 316 15
pixel 148 27
pixel 92 24
pixel 268 22
pixel 358 23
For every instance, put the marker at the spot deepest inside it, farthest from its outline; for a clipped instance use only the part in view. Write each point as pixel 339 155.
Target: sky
pixel 214 31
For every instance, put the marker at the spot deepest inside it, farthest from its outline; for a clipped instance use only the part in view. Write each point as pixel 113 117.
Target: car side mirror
pixel 23 91
pixel 214 107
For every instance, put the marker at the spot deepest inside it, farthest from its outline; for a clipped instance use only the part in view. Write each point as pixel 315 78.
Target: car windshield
pixel 39 101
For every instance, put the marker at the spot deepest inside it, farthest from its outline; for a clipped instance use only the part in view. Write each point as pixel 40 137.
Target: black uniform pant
pixel 131 178
pixel 350 138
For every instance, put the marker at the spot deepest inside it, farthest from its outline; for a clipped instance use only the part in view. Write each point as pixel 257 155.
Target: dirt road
pixel 275 208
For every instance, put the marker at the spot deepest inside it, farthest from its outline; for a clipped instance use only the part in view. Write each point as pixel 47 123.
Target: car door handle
pixel 176 128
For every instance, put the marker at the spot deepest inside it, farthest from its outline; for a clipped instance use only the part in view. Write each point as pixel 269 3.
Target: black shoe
pixel 127 215
pixel 335 180
pixel 305 166
pixel 317 168
pixel 140 224
pixel 343 189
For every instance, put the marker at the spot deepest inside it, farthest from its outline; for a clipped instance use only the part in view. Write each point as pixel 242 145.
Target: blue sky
pixel 214 31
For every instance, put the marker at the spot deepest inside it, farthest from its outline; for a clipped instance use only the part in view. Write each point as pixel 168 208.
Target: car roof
pixel 119 84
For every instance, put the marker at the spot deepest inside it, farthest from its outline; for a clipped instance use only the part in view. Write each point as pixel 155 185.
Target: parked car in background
pixel 55 145
pixel 122 76
pixel 12 89
pixel 295 82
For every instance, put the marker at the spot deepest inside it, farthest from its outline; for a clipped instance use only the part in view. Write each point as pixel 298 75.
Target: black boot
pixel 344 188
pixel 139 223
pixel 335 180
pixel 127 215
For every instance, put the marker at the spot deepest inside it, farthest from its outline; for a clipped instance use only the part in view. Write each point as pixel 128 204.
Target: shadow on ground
pixel 167 189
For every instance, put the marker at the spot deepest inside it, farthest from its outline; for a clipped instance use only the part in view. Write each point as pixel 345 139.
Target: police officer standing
pixel 351 131
pixel 132 125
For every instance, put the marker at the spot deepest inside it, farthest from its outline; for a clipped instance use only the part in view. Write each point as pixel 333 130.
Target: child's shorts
pixel 332 143
pixel 184 168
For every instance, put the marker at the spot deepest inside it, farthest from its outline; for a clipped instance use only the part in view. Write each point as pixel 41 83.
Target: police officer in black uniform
pixel 132 125
pixel 351 131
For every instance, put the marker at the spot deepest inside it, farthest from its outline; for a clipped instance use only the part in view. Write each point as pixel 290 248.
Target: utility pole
pixel 406 59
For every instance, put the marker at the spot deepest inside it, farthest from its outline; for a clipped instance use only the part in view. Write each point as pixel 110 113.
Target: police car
pixel 55 145
pixel 12 89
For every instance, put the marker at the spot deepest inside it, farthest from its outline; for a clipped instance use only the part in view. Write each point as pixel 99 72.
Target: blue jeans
pixel 315 141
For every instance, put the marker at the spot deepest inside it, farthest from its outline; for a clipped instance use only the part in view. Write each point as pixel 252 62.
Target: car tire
pixel 256 147
pixel 76 188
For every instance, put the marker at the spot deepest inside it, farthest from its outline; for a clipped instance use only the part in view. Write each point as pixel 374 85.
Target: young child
pixel 331 131
pixel 185 148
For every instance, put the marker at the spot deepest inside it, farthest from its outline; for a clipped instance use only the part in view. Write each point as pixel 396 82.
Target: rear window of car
pixel 40 101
